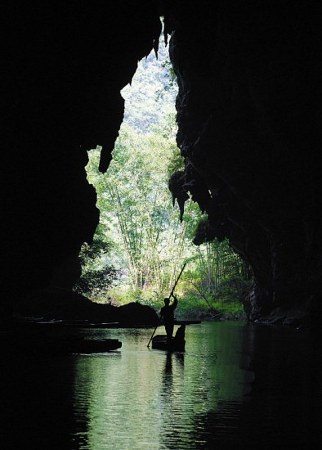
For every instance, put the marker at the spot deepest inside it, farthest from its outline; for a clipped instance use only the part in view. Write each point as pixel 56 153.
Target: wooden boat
pixel 75 323
pixel 95 345
pixel 176 343
pixel 160 342
pixel 51 345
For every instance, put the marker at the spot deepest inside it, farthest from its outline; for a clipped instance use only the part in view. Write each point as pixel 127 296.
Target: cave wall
pixel 249 128
pixel 63 66
pixel 248 117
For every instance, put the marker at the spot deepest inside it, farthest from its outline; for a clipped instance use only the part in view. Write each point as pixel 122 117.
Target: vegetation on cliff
pixel 141 244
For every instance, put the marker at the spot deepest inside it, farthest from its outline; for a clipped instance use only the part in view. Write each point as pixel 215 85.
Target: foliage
pixel 138 213
pixel 140 245
pixel 97 275
pixel 96 283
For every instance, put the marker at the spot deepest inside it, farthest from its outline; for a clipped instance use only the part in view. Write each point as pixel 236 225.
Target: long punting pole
pixel 175 284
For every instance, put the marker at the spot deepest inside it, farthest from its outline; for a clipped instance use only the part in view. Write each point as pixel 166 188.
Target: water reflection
pixel 153 399
pixel 170 372
pixel 234 387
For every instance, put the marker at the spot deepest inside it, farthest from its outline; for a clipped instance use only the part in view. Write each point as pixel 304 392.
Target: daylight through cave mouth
pixel 143 240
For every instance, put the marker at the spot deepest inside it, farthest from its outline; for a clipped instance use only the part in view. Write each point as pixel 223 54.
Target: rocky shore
pixel 72 308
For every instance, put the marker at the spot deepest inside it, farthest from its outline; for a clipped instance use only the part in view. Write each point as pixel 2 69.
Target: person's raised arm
pixel 175 302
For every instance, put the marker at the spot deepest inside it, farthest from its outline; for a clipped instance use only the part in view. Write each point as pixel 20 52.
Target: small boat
pixel 95 345
pixel 175 344
pixel 160 342
pixel 50 345
pixel 76 324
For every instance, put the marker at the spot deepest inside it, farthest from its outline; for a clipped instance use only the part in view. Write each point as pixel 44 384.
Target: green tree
pixel 136 208
pixel 98 275
pixel 140 243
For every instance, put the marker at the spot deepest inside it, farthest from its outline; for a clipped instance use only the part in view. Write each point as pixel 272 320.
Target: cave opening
pixel 249 121
pixel 145 236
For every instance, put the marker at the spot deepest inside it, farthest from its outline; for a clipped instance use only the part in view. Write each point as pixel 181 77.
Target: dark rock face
pixel 59 305
pixel 248 115
pixel 249 125
pixel 64 64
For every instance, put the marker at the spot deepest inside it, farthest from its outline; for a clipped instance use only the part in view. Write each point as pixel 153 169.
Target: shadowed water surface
pixel 235 386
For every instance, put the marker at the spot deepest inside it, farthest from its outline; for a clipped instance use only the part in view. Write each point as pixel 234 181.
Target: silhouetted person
pixel 167 315
pixel 180 334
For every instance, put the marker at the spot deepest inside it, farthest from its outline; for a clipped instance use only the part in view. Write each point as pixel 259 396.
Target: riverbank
pixel 67 306
pixel 70 307
pixel 55 306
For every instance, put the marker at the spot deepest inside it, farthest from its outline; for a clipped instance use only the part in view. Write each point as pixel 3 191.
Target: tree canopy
pixel 140 244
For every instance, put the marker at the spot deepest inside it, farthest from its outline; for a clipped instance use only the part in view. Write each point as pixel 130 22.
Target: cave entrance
pixel 140 244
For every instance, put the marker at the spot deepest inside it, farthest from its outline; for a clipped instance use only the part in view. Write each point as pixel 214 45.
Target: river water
pixel 236 386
